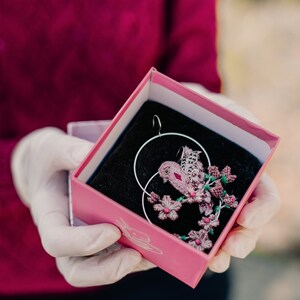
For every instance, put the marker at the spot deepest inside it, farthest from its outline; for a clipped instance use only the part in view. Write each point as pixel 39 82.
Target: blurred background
pixel 260 65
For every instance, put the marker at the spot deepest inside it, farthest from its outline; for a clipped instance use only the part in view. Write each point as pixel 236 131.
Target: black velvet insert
pixel 114 176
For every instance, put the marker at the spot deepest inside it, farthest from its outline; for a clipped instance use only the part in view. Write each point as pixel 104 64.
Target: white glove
pixel 82 255
pixel 261 206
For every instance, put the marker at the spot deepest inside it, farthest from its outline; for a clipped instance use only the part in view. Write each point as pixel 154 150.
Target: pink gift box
pixel 155 244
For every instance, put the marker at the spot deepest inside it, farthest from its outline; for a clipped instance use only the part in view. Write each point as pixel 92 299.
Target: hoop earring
pixel 195 185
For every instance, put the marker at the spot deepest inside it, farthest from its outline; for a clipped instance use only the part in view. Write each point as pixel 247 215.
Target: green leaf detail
pixel 224 179
pixel 180 199
pixel 210 177
pixel 206 187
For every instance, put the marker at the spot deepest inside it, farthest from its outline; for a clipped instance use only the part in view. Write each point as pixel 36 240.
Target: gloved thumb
pixel 68 152
pixel 40 154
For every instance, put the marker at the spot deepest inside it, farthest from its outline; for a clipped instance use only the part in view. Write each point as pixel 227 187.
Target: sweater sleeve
pixel 6 183
pixel 191 51
pixel 25 266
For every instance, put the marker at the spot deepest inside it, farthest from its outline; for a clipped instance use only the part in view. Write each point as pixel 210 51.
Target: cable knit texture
pixel 63 61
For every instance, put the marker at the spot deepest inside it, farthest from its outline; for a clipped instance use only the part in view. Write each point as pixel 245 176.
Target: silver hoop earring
pixel 197 184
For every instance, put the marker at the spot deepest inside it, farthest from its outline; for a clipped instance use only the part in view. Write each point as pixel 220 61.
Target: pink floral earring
pixel 196 184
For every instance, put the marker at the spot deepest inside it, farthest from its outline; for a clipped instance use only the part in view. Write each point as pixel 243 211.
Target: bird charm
pixel 186 177
pixel 170 171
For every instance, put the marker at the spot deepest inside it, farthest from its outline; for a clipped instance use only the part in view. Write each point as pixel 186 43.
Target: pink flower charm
pixel 199 196
pixel 217 190
pixel 227 173
pixel 205 196
pixel 167 208
pixel 199 239
pixel 214 171
pixel 209 222
pixel 153 198
pixel 206 208
pixel 230 200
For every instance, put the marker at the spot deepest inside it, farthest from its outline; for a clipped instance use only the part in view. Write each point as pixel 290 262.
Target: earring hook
pixel 158 121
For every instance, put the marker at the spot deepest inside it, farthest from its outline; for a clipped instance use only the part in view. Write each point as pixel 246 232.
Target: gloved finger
pixel 220 263
pixel 98 270
pixel 222 100
pixel 144 265
pixel 41 153
pixel 262 206
pixel 241 241
pixel 50 212
pixel 61 151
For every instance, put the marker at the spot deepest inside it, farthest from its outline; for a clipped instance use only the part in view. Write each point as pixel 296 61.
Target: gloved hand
pixel 85 255
pixel 262 205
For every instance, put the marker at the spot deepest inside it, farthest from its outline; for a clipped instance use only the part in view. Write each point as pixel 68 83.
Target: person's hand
pixel 85 255
pixel 241 240
pixel 261 206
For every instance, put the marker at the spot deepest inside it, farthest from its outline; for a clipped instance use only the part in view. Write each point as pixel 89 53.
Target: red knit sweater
pixel 63 61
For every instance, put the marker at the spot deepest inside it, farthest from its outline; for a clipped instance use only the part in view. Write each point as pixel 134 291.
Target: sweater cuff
pixel 6 181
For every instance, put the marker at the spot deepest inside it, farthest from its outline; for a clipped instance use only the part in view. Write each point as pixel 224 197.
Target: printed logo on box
pixel 137 237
